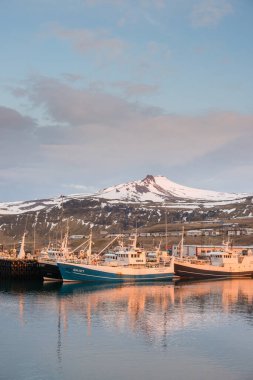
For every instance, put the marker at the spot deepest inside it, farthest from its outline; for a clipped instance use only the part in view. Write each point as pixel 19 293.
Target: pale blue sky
pixel 97 92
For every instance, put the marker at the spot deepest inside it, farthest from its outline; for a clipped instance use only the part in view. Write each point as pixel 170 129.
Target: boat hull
pixel 200 272
pixel 100 274
pixel 50 271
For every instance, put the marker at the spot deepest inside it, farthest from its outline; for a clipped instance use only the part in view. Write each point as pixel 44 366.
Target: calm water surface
pixel 156 331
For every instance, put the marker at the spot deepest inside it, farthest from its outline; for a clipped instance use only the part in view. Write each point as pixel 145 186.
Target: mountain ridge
pixel 160 188
pixel 151 189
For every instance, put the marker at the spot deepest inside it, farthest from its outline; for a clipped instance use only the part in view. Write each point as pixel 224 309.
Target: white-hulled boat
pixel 218 264
pixel 48 260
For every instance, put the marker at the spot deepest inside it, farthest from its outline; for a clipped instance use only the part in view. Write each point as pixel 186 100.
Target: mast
pixel 34 239
pixel 61 221
pixel 64 244
pixel 158 250
pixel 182 244
pixel 135 237
pixel 21 254
pixel 135 240
pixel 228 245
pixel 89 247
pixel 166 230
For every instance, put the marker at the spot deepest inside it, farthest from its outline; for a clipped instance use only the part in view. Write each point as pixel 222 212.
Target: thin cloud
pixel 106 50
pixel 137 89
pixel 103 2
pixel 160 4
pixel 70 77
pixel 82 188
pixel 67 104
pixel 210 12
pixel 91 41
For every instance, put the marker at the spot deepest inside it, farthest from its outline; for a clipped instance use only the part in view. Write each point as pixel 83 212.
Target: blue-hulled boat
pixel 125 265
pixel 103 273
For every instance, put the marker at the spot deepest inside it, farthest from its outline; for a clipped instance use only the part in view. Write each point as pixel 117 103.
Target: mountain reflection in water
pixel 208 325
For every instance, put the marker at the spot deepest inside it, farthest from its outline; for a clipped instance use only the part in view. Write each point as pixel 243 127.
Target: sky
pixel 94 93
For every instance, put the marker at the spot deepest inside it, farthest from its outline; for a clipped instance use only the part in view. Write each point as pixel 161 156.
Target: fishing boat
pixel 49 269
pixel 48 259
pixel 127 264
pixel 48 256
pixel 218 264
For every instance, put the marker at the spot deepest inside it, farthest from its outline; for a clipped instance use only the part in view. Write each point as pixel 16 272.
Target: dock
pixel 20 269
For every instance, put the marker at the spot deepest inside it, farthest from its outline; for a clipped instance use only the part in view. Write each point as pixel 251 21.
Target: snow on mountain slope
pixel 192 193
pixel 155 189
pixel 21 207
pixel 160 188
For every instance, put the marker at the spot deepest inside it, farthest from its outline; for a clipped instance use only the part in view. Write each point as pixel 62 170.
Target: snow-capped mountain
pixel 119 208
pixel 154 189
pixel 160 188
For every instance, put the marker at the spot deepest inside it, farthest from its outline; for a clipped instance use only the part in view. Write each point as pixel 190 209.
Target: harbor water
pixel 198 330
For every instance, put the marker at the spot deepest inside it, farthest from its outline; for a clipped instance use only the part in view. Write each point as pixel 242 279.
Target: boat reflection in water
pixel 148 303
pixel 155 310
pixel 129 331
pixel 144 306
pixel 137 300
